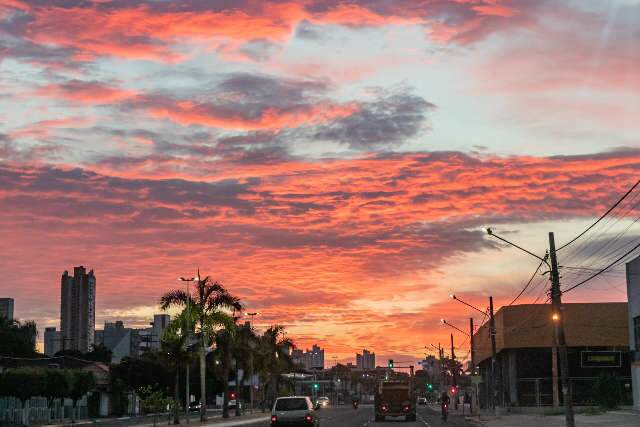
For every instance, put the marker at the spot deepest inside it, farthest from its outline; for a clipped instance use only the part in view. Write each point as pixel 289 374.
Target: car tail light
pixel 406 408
pixel 384 407
pixel 274 419
pixel 308 418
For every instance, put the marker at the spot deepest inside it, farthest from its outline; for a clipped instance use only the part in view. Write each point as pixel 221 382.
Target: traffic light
pixel 316 386
pixel 454 390
pixel 429 386
pixel 390 364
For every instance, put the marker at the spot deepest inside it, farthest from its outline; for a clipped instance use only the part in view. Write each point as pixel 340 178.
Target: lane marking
pixel 423 421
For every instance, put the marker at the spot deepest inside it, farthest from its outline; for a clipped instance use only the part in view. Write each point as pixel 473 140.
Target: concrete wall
pixel 633 295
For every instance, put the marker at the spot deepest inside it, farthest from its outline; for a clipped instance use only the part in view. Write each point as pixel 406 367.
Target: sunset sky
pixel 330 162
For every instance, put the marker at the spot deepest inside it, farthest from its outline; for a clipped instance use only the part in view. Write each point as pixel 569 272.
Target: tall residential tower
pixel 77 310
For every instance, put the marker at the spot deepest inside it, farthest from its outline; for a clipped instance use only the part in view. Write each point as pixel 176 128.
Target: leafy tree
pixel 81 383
pixel 275 350
pixel 210 302
pixel 225 342
pixel 55 386
pixel 23 384
pixel 147 369
pixel 99 353
pixel 18 338
pixel 154 401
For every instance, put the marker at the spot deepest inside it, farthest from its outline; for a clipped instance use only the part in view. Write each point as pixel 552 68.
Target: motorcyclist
pixel 355 401
pixel 444 404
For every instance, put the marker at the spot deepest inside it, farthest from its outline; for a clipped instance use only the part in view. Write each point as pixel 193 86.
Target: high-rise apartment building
pixel 366 360
pixel 52 341
pixel 311 359
pixel 77 310
pixel 6 308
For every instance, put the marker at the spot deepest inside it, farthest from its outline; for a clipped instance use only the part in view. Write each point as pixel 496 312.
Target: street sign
pixel 601 359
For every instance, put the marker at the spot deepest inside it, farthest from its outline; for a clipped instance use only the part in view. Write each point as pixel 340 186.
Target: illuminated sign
pixel 601 359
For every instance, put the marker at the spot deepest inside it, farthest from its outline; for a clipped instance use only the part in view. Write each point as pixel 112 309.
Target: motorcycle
pixel 445 412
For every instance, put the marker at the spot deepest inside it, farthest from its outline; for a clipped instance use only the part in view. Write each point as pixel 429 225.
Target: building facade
pixel 311 359
pixel 597 344
pixel 52 341
pixel 633 296
pixel 366 360
pixel 125 342
pixel 77 310
pixel 6 308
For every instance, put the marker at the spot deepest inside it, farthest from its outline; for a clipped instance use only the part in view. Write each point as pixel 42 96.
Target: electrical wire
pixel 596 274
pixel 601 217
pixel 528 283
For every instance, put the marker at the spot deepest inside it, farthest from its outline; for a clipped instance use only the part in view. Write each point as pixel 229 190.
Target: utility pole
pixel 473 359
pixel 454 367
pixel 558 320
pixel 494 371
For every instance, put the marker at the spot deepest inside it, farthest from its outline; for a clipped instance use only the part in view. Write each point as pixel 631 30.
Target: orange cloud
pixel 349 245
pixel 85 92
pixel 270 118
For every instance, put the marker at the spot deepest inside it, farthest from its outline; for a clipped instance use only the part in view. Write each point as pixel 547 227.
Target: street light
pixel 452 296
pixel 490 232
pixel 559 335
pixel 444 322
pixel 252 315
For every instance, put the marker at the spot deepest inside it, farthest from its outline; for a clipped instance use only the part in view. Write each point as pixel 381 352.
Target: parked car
pixel 422 401
pixel 294 410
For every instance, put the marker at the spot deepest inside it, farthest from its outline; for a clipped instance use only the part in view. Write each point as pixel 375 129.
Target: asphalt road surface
pixel 346 416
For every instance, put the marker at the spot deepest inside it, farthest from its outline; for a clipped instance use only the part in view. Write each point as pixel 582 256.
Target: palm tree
pixel 209 303
pixel 175 348
pixel 275 350
pixel 246 351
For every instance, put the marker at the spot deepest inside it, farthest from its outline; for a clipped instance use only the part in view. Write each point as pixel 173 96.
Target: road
pixel 346 416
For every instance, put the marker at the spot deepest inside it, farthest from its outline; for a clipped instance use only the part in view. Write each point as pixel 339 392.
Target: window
pixel 292 404
pixel 636 328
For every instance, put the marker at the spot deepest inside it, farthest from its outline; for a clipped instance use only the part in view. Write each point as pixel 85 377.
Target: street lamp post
pixel 493 383
pixel 557 317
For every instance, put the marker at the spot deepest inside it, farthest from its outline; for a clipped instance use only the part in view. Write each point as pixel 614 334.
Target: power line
pixel 601 217
pixel 596 274
pixel 528 283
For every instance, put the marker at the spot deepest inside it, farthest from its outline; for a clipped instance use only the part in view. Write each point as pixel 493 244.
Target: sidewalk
pixel 213 420
pixel 616 418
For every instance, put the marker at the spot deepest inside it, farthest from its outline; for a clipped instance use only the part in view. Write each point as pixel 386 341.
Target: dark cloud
pixel 388 121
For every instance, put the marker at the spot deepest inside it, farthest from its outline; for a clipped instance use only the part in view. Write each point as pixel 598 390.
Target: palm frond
pixel 177 297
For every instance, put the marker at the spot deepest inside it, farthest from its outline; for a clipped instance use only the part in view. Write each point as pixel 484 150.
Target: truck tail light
pixel 384 407
pixel 406 408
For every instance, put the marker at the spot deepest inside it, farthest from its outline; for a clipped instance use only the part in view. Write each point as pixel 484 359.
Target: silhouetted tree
pixel 210 302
